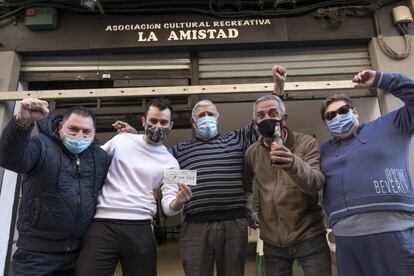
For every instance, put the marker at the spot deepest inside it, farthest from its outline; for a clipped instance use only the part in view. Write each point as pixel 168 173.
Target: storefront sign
pixel 86 32
pixel 190 31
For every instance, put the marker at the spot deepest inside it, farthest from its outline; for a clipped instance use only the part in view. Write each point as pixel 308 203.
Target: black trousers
pixel 31 263
pixel 109 241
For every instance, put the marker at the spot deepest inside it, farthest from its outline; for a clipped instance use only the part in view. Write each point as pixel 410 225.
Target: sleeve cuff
pixel 378 79
pixel 16 125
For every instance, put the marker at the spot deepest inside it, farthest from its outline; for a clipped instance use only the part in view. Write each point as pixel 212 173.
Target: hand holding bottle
pixel 281 156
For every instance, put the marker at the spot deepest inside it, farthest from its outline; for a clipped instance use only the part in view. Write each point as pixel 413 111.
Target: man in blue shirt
pixel 369 197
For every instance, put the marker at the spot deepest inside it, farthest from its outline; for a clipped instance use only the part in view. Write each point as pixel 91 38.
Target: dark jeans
pixel 313 255
pixel 109 241
pixel 223 242
pixel 31 263
pixel 382 254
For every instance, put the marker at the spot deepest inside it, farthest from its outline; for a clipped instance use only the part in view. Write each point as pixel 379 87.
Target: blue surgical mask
pixel 206 127
pixel 343 125
pixel 76 144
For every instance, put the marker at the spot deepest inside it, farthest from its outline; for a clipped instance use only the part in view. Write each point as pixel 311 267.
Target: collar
pixel 208 140
pixel 355 135
pixel 287 135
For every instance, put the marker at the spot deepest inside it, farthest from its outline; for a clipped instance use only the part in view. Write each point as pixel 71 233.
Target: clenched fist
pixel 279 74
pixel 30 111
pixel 364 79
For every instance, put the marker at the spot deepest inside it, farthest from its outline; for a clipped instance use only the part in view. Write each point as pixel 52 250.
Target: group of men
pixel 85 207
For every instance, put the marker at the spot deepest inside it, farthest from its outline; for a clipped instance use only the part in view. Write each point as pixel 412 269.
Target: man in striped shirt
pixel 215 219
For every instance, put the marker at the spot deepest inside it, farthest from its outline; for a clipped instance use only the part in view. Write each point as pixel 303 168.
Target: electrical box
pixel 41 18
pixel 402 14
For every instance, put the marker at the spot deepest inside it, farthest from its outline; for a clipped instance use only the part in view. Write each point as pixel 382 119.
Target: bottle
pixel 277 139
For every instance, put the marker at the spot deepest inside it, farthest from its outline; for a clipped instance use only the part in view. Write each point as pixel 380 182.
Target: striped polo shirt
pixel 219 193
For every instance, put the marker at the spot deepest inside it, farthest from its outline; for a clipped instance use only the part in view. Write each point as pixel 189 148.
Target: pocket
pixel 183 229
pixel 19 254
pixel 242 224
pixel 35 212
pixel 238 230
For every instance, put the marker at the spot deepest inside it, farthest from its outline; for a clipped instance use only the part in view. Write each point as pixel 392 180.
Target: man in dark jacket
pixel 63 171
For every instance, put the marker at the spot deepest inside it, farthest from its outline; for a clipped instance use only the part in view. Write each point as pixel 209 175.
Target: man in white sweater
pixel 122 227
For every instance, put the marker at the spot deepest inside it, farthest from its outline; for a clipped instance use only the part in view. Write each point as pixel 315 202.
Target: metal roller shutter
pixel 315 63
pixel 150 69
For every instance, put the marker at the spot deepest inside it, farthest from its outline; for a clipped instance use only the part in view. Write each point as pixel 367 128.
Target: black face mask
pixel 267 127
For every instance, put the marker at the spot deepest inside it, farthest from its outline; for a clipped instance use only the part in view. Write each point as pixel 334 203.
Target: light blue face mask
pixel 76 144
pixel 206 127
pixel 343 124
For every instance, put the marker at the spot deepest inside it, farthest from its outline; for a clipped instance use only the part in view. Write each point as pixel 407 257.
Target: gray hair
pixel 282 106
pixel 203 103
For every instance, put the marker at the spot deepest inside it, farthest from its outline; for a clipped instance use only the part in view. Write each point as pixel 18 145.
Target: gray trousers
pixel 313 255
pixel 222 242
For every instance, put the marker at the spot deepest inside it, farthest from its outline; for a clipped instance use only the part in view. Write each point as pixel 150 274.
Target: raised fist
pixel 364 79
pixel 30 111
pixel 279 74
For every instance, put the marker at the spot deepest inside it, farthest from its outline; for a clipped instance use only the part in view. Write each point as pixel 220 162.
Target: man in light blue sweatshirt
pixel 369 198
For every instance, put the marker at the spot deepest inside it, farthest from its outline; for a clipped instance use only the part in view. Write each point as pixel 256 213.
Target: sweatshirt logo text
pixel 395 183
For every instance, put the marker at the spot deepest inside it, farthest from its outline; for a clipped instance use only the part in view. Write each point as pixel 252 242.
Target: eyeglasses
pixel 340 111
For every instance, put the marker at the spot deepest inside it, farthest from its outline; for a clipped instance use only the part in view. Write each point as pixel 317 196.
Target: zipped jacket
pixel 289 212
pixel 59 189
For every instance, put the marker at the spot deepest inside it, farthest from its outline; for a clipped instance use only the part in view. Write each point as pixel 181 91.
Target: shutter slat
pixel 112 63
pixel 302 62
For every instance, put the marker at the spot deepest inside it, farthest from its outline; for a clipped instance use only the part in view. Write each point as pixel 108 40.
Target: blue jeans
pixel 31 263
pixel 313 255
pixel 382 254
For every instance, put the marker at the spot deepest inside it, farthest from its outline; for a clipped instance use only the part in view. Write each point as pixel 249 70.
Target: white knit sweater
pixel 137 169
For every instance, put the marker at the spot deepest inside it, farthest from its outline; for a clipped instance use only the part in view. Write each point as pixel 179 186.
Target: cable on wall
pixel 388 51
